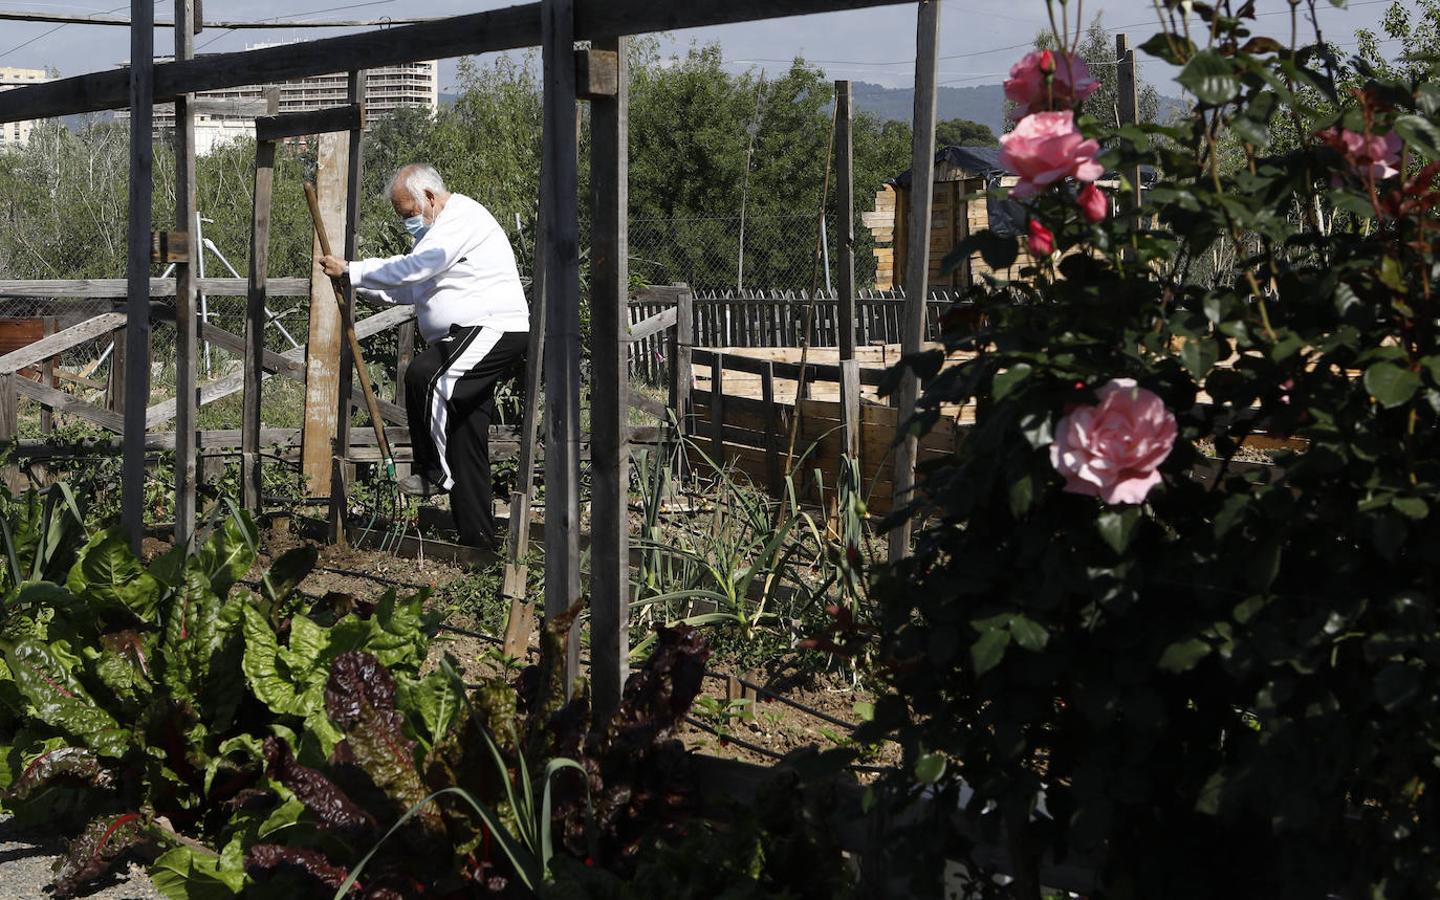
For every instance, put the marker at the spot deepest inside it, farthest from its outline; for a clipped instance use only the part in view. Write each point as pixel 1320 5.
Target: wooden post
pixel 609 401
pixel 137 270
pixel 340 476
pixel 850 406
pixel 559 194
pixel 1127 101
pixel 917 268
pixel 47 377
pixel 717 408
pixel 10 428
pixel 322 357
pixel 682 344
pixel 187 396
pixel 772 433
pixel 255 303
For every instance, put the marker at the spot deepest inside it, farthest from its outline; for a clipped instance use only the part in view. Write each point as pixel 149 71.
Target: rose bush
pixel 1231 689
pixel 1046 80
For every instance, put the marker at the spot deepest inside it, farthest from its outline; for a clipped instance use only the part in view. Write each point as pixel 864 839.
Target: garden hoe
pixel 347 322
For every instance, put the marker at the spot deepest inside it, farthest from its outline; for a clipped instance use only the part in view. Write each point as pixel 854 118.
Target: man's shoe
pixel 418 485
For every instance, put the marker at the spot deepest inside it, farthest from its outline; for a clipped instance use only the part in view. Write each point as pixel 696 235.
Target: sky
pixel 978 42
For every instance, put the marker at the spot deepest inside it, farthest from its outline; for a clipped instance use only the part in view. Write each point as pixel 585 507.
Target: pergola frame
pixel 555 26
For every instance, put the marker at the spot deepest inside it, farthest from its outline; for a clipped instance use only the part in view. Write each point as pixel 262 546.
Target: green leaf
pixel 188 874
pixel 1182 656
pixel 1172 48
pixel 286 573
pixel 434 700
pixel 1390 384
pixel 930 768
pixel 47 681
pixel 998 251
pixel 1210 78
pixel 269 678
pixel 987 652
pixel 108 576
pixel 1117 527
pixel 228 554
pixel 1413 507
pixel 1420 133
pixel 1006 381
pixel 1028 633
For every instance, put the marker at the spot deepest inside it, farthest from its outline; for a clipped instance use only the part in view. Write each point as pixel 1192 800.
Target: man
pixel 470 306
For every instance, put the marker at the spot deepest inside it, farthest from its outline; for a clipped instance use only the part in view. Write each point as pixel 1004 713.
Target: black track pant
pixel 450 400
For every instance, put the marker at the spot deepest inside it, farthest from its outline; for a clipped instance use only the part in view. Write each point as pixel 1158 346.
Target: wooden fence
pixel 775 319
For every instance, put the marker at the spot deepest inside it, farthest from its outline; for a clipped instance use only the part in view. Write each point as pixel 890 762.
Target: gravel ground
pixel 25 869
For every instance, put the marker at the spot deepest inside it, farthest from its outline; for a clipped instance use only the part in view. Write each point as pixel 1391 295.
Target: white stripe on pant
pixel 445 381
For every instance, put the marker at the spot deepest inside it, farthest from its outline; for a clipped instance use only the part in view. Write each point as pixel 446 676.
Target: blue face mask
pixel 416 226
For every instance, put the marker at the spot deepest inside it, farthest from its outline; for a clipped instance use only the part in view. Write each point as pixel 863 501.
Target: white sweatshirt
pixel 461 272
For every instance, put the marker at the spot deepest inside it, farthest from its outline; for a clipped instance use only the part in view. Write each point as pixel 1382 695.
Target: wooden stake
pixel 559 191
pixel 187 396
pixel 917 265
pixel 322 372
pixel 845 211
pixel 342 477
pixel 137 332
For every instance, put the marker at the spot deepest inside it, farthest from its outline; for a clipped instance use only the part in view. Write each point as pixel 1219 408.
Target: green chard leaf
pixel 48 682
pixel 109 577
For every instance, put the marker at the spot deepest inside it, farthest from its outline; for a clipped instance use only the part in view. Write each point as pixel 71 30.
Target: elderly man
pixel 461 278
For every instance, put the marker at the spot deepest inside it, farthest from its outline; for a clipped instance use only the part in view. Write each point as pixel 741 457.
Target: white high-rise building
pixel 386 89
pixel 10 77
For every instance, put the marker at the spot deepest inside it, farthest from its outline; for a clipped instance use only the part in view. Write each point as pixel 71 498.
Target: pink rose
pixel 1112 450
pixel 1045 148
pixel 1375 155
pixel 1093 204
pixel 1045 80
pixel 1041 241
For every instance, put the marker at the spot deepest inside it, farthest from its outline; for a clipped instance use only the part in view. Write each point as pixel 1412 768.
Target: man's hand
pixel 333 266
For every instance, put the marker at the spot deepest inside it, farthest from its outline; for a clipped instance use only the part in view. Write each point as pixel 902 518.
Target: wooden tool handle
pixel 314 202
pixel 348 324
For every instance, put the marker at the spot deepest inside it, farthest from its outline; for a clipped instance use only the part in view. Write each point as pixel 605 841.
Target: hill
pixel 982 103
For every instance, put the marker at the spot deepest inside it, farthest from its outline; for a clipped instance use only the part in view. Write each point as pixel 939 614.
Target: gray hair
pixel 416 178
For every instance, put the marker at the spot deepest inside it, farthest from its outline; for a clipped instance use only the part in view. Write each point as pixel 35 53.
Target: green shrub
pixel 1232 688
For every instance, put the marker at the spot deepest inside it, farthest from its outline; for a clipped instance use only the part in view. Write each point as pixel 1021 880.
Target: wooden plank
pixel 187 295
pixel 922 169
pixel 67 404
pixel 653 325
pixel 850 406
pixel 47 376
pixel 322 363
pixel 118 288
pixel 597 73
pixel 139 77
pixel 10 473
pixel 348 117
pixel 559 190
pixel 60 341
pixel 610 432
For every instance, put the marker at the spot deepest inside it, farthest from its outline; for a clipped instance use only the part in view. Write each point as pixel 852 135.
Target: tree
pixel 963 133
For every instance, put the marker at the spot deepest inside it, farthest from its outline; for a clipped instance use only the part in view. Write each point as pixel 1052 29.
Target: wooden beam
pixel 502 29
pixel 845 210
pixel 349 117
pixel 653 325
pixel 60 341
pixel 597 73
pixel 559 193
pixel 64 403
pixel 170 246
pixel 9 426
pixel 1127 107
pixel 253 355
pixel 917 288
pixel 187 346
pixel 139 77
pixel 238 106
pixel 322 378
pixel 609 352
pixel 681 376
pixel 116 288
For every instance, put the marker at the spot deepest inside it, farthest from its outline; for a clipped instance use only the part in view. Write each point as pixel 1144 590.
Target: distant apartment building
pixel 386 89
pixel 10 77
